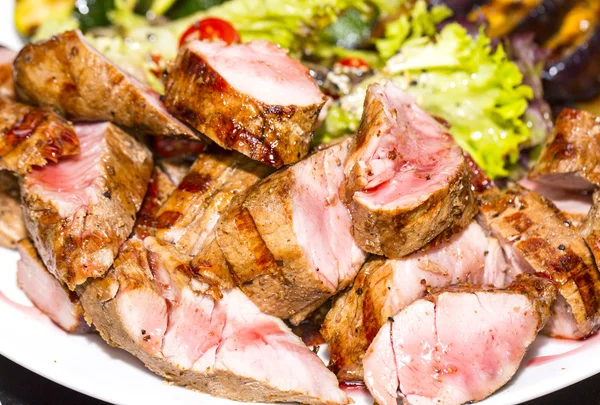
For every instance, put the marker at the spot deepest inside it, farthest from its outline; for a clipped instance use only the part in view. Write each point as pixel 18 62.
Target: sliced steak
pixel 32 136
pixel 574 204
pixel 287 240
pixel 188 217
pixel 47 293
pixel 537 237
pixel 81 209
pixel 70 76
pixel 383 287
pixel 12 226
pixel 457 345
pixel 159 190
pixel 406 180
pixel 571 156
pixel 150 305
pixel 252 98
pixel 7 84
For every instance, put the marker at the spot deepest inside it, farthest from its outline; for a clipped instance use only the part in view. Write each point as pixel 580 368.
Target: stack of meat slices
pixel 194 268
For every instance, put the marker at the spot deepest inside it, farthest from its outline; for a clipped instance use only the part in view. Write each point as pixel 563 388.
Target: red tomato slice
pixel 357 63
pixel 211 29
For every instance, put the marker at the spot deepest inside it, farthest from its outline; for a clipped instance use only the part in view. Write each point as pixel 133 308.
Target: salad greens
pixel 457 78
pixel 451 74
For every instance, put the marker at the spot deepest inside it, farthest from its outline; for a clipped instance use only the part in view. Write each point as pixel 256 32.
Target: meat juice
pixel 583 344
pixel 30 311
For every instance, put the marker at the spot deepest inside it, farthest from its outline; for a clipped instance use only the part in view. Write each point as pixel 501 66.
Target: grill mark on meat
pixel 548 245
pixel 32 137
pixel 570 157
pixel 195 183
pixel 261 255
pixel 519 221
pixel 167 219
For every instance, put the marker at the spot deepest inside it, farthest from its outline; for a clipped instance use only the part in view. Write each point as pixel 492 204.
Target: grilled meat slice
pixel 457 345
pixel 47 293
pixel 32 136
pixel 80 210
pixel 574 204
pixel 70 76
pixel 189 216
pixel 12 226
pixel 7 84
pixel 406 180
pixel 267 111
pixel 537 237
pixel 383 287
pixel 159 189
pixel 150 305
pixel 571 156
pixel 287 240
pixel 175 168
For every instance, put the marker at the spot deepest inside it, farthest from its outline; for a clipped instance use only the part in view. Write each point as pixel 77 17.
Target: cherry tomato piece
pixel 211 29
pixel 354 62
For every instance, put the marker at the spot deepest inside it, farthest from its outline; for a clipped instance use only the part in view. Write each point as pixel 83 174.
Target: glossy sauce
pixel 584 344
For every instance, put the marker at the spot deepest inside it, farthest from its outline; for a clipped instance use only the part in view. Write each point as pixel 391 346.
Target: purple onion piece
pixel 576 76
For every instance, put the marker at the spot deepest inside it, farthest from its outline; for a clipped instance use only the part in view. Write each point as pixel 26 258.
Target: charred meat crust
pixel 271 134
pixel 66 74
pixel 187 218
pixel 399 232
pixel 543 237
pixel 160 187
pixel 84 244
pixel 347 327
pixel 12 225
pixel 570 157
pixel 7 84
pixel 33 137
pixel 256 237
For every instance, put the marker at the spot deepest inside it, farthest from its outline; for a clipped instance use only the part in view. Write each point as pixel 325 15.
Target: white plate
pixel 88 365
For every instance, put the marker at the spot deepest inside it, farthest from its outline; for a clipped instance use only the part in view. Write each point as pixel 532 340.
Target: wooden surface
pixel 19 386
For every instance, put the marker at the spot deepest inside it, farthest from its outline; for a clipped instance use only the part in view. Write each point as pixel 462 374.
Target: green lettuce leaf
pixel 460 79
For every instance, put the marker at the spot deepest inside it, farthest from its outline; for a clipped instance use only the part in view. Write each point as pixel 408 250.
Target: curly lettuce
pixel 460 79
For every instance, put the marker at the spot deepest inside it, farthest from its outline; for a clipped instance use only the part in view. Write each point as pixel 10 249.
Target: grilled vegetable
pixel 30 14
pixel 573 72
pixel 537 16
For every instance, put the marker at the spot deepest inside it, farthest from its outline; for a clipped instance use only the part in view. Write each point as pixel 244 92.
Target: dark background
pixel 21 387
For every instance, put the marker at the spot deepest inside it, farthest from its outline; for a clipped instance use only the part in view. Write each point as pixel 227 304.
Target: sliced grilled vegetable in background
pixel 538 16
pixel 30 14
pixel 573 71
